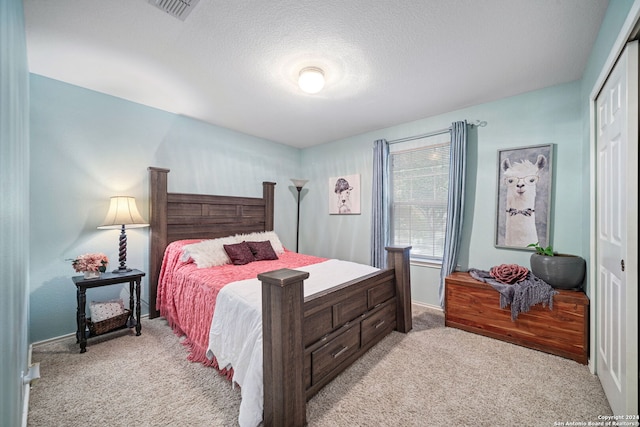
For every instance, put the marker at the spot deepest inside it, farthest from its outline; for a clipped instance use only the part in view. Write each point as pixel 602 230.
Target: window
pixel 419 185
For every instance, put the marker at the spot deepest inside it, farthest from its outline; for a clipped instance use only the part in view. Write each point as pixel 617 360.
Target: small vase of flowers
pixel 91 265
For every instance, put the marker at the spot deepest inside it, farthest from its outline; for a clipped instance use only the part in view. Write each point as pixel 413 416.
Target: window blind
pixel 419 182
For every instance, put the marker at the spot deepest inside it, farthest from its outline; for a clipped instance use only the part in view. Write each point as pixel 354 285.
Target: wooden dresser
pixel 474 306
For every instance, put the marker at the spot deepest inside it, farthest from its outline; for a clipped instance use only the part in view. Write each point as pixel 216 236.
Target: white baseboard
pixel 62 337
pixel 27 387
pixel 422 304
pixel 37 344
pixel 26 392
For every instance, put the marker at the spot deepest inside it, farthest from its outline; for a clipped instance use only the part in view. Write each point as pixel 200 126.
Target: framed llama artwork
pixel 524 196
pixel 344 195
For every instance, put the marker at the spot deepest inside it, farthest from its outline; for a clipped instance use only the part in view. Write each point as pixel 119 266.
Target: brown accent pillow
pixel 262 250
pixel 240 253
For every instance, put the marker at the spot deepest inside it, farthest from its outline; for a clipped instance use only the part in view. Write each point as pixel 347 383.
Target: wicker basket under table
pixel 109 324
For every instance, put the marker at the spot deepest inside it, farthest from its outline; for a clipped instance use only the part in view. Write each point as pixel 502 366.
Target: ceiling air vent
pixel 177 8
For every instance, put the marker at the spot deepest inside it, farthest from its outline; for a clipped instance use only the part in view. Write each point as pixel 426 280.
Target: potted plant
pixel 561 271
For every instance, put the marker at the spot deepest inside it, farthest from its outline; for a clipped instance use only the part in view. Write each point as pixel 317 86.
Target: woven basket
pixel 109 324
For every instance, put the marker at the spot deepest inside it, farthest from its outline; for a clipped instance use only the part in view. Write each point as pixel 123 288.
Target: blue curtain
pixel 455 202
pixel 380 201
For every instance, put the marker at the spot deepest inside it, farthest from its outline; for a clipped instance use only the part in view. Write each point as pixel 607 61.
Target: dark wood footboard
pixel 307 342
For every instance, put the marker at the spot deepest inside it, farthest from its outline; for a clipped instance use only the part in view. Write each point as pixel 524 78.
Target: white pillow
pixel 105 310
pixel 208 253
pixel 211 253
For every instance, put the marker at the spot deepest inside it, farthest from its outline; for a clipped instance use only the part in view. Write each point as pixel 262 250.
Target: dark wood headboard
pixel 180 216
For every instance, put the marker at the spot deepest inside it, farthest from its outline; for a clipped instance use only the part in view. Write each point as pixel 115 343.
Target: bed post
pixel 268 190
pixel 158 232
pixel 283 349
pixel 398 259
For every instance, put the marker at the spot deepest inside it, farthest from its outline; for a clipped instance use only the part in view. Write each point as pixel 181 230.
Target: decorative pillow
pixel 208 253
pixel 240 253
pixel 271 236
pixel 262 250
pixel 211 253
pixel 105 310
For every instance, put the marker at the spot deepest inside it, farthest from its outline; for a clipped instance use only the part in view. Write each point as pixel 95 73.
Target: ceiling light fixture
pixel 311 79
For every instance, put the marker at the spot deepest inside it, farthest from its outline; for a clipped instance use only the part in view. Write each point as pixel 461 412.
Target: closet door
pixel 617 235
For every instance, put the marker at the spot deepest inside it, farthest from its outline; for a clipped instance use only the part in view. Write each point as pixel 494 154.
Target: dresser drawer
pixel 349 309
pixel 330 355
pixel 380 322
pixel 380 293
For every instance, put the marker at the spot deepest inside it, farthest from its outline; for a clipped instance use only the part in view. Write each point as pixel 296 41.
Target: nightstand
pixel 134 277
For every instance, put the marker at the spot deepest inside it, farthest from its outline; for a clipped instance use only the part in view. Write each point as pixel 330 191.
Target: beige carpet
pixel 433 376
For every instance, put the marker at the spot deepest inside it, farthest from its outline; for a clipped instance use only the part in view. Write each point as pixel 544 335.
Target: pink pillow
pixel 240 253
pixel 262 250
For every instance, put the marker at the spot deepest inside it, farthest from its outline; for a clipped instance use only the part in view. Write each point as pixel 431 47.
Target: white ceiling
pixel 234 63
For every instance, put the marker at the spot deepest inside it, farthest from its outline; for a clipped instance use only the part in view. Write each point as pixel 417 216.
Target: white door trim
pixel 621 41
pixel 616 50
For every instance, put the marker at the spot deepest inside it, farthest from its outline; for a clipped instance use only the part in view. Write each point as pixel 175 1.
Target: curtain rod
pixel 476 123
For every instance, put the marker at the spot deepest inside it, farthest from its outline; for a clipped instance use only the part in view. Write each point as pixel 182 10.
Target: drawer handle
pixel 339 352
pixel 380 323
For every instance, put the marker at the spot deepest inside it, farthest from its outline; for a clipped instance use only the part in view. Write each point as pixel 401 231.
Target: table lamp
pixel 123 212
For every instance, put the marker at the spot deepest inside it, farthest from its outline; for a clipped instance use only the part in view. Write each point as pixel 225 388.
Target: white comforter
pixel 235 337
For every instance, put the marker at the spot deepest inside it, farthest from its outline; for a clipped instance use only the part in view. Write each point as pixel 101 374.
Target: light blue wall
pixel 88 146
pixel 14 211
pixel 547 116
pixel 558 115
pixel 611 24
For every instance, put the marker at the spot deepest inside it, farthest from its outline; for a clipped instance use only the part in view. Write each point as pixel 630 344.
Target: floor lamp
pixel 123 212
pixel 298 183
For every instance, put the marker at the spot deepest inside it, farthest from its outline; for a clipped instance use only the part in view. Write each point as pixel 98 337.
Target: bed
pixel 307 340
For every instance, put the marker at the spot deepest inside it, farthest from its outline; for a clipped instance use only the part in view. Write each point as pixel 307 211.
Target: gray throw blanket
pixel 521 295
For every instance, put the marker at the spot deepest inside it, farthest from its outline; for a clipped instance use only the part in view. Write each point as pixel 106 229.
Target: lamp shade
pixel 123 211
pixel 299 183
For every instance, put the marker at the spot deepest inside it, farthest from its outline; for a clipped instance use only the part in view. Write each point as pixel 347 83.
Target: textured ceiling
pixel 234 63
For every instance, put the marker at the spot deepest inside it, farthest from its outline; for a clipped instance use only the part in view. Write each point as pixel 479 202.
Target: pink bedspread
pixel 187 294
